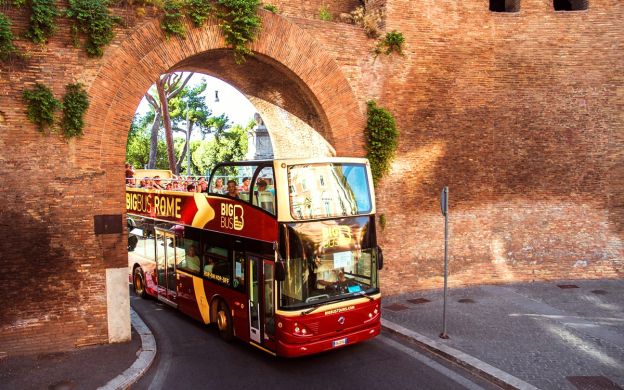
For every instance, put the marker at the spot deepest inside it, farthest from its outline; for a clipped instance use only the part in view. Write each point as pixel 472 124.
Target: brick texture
pixel 519 114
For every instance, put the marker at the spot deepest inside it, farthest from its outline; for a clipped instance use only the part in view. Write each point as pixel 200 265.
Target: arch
pixel 282 46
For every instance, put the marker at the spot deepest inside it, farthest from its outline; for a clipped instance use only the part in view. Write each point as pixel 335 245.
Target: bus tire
pixel 224 321
pixel 138 282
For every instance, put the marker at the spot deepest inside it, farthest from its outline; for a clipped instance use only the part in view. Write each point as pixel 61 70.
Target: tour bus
pixel 288 264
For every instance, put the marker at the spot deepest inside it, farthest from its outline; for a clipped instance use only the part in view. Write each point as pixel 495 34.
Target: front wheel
pixel 138 280
pixel 224 322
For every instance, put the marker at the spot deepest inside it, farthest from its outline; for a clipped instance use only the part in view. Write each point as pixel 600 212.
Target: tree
pixel 167 87
pixel 187 110
pixel 229 144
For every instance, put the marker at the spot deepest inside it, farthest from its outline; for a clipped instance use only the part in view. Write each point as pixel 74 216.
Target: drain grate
pixel 418 301
pixel 466 300
pixel 599 292
pixel 593 383
pixel 564 286
pixel 396 307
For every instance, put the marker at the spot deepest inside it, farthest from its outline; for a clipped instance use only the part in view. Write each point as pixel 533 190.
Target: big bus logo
pixel 338 235
pixel 232 216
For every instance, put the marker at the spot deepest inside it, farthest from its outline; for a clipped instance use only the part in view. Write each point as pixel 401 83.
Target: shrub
pixel 75 104
pixel 271 7
pixel 41 106
pixel 381 139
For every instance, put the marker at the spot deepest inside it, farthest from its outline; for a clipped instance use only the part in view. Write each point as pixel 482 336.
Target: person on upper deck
pixel 232 189
pixel 158 183
pixel 218 186
pixel 245 186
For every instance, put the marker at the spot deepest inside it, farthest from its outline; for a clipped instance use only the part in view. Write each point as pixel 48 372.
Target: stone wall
pixel 519 114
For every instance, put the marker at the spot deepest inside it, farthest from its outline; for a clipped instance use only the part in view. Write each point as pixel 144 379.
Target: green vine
pixel 391 42
pixel 7 49
pixel 325 14
pixel 172 22
pixel 198 11
pixel 239 23
pixel 42 20
pixel 92 18
pixel 41 106
pixel 381 139
pixel 75 104
pixel 382 221
pixel 271 8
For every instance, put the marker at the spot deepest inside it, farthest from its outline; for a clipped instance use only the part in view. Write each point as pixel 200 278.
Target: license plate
pixel 338 343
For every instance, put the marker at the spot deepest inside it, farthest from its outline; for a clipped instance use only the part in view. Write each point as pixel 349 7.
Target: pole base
pixel 444 336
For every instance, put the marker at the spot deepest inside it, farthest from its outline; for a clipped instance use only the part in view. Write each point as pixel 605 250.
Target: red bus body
pixel 253 235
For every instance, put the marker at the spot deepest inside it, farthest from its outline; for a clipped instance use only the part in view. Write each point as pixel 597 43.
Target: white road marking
pixel 432 364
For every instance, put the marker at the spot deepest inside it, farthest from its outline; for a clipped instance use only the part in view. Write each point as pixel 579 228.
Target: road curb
pixel 471 363
pixel 144 359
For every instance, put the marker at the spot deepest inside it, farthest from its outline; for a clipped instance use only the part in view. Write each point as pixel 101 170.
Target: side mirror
pixel 380 261
pixel 280 271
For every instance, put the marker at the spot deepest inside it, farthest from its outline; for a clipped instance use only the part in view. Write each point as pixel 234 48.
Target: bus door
pixel 261 301
pixel 165 266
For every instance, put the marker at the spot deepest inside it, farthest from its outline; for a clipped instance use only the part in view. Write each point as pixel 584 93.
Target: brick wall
pixel 519 114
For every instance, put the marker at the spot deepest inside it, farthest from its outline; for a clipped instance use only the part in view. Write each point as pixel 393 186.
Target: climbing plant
pixel 93 19
pixel 381 139
pixel 42 20
pixel 239 22
pixel 172 22
pixel 7 49
pixel 198 11
pixel 391 42
pixel 41 106
pixel 271 8
pixel 75 104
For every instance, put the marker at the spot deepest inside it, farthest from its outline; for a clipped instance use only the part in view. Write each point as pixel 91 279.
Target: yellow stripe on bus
pixel 200 298
pixel 205 213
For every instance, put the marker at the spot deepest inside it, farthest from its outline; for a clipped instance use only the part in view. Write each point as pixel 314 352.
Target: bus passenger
pixel 232 189
pixel 158 183
pixel 191 260
pixel 245 186
pixel 218 187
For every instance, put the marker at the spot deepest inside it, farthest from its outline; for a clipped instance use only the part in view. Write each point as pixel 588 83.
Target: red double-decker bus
pixel 288 262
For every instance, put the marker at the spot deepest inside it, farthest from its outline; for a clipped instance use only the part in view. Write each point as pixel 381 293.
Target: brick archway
pixel 298 76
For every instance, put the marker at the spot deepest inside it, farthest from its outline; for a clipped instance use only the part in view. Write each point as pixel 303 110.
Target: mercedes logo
pixel 341 320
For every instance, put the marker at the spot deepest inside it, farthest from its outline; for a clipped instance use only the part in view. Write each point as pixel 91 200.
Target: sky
pixel 231 102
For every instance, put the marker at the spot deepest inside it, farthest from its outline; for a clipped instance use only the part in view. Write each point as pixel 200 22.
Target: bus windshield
pixel 328 260
pixel 327 190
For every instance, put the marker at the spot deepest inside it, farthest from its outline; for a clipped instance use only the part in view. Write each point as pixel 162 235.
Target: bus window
pixel 264 191
pixel 188 256
pixel 239 267
pixel 217 265
pixel 237 173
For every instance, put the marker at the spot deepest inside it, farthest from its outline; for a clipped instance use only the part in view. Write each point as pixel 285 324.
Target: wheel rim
pixel 222 320
pixel 138 284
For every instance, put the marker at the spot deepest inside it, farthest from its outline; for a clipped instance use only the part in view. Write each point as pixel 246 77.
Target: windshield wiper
pixel 363 293
pixel 310 310
pixel 343 298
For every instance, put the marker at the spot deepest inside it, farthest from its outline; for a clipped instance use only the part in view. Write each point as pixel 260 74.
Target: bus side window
pixel 239 271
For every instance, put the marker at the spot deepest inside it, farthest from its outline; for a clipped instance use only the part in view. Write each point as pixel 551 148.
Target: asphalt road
pixel 192 356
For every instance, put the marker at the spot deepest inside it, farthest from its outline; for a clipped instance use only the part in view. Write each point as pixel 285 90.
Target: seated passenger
pixel 158 183
pixel 218 187
pixel 209 261
pixel 232 190
pixel 191 260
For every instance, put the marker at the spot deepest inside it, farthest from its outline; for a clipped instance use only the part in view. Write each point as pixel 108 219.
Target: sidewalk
pixel 111 366
pixel 523 335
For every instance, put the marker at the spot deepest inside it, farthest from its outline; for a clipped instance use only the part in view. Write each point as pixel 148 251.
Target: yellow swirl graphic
pixel 205 213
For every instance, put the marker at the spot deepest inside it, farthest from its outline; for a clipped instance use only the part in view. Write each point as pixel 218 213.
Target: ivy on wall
pixel 93 19
pixel 7 49
pixel 239 22
pixel 198 11
pixel 391 42
pixel 41 106
pixel 75 104
pixel 42 20
pixel 381 139
pixel 172 22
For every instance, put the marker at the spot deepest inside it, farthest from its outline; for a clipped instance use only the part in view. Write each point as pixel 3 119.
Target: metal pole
pixel 188 146
pixel 444 335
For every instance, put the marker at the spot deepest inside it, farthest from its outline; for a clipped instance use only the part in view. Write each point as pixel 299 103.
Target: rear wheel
pixel 224 321
pixel 138 280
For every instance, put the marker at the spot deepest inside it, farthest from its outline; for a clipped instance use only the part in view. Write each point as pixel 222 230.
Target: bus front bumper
pixel 294 350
